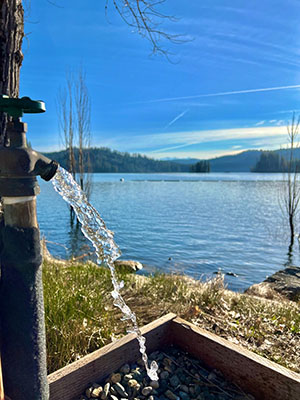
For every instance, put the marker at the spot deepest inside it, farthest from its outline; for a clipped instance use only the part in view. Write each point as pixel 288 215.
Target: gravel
pixel 181 377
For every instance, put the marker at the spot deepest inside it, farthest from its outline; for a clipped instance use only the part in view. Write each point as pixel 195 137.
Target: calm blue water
pixel 188 223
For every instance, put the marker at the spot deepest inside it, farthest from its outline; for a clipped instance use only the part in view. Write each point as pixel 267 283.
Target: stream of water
pixel 94 229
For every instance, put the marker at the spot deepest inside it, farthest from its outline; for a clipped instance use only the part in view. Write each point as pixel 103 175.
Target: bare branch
pixel 145 17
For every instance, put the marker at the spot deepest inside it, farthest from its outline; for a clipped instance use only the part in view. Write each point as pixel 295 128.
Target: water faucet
pixel 22 329
pixel 19 164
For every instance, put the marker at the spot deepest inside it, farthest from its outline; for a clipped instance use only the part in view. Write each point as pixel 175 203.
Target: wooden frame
pixel 254 374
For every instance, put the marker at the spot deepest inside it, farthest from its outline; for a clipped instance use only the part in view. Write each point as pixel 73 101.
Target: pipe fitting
pixel 20 165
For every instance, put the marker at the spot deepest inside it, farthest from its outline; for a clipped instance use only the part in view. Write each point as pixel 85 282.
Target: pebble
pixel 147 390
pixel 164 375
pixel 120 390
pixel 154 384
pixel 184 396
pixel 125 369
pixel 116 378
pixel 170 395
pixel 96 393
pixel 88 392
pixel 181 377
pixel 174 381
pixel 105 392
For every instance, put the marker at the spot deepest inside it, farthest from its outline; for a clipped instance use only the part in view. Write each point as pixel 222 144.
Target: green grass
pixel 80 317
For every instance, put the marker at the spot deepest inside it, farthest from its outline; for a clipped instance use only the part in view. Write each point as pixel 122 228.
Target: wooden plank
pixel 256 375
pixel 71 381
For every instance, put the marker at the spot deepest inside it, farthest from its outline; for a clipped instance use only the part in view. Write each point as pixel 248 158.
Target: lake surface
pixel 195 224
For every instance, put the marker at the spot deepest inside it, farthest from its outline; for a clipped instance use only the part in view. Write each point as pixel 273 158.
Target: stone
pixel 116 378
pixel 125 369
pixel 171 396
pixel 154 384
pixel 184 388
pixel 120 390
pixel 88 392
pixel 105 391
pixel 96 393
pixel 284 283
pixel 174 381
pixel 164 375
pixel 128 265
pixel 147 390
pixel 113 391
pixel 184 395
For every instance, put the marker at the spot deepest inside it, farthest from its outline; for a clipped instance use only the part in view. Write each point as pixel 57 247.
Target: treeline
pixel 200 166
pixel 271 161
pixel 106 160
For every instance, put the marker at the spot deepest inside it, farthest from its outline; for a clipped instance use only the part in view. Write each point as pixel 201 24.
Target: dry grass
pixel 80 316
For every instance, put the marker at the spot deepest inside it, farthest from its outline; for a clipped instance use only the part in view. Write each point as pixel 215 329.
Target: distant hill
pixel 105 160
pixel 241 162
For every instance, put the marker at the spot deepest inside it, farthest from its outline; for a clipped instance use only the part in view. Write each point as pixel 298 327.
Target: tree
pixel 291 193
pixel 200 166
pixel 74 113
pixel 11 37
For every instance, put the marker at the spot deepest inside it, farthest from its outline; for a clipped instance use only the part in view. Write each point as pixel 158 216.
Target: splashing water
pixel 94 229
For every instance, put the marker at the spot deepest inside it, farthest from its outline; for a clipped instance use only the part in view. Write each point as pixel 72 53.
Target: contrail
pixel 222 94
pixel 176 118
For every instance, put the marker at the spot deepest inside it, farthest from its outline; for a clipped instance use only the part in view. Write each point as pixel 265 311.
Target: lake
pixel 196 224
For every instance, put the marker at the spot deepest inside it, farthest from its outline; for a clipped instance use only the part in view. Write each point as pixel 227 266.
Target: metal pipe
pixel 23 344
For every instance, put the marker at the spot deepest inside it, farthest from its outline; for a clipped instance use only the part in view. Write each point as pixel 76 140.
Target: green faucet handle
pixel 15 107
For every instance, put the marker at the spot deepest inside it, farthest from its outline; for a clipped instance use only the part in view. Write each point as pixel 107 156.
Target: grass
pixel 80 317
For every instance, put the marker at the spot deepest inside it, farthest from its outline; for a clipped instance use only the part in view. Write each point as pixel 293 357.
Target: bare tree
pixel 83 118
pixel 74 115
pixel 144 16
pixel 291 193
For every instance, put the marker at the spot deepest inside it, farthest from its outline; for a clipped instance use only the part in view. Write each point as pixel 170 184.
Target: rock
pixel 284 283
pixel 171 396
pixel 147 390
pixel 105 392
pixel 174 381
pixel 164 375
pixel 128 266
pixel 184 396
pixel 154 384
pixel 184 388
pixel 115 378
pixel 113 391
pixel 88 392
pixel 96 393
pixel 133 383
pixel 120 390
pixel 125 369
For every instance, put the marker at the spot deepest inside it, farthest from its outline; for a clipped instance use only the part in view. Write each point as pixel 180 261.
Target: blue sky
pixel 232 85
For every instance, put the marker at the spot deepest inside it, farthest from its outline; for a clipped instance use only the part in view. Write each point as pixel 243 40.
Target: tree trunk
pixel 11 37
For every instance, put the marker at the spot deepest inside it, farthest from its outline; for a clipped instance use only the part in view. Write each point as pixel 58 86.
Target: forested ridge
pixel 106 160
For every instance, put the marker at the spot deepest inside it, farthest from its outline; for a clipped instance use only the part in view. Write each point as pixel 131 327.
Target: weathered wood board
pixel 72 380
pixel 255 375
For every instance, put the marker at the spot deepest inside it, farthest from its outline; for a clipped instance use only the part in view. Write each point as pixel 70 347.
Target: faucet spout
pixel 20 165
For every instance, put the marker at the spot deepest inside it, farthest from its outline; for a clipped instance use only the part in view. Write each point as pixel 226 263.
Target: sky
pixel 232 83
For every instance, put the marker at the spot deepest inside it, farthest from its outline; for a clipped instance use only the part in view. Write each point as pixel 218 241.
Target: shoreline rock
pixel 284 284
pixel 128 265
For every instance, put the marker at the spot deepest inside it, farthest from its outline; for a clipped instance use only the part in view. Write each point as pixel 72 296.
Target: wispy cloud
pixel 260 123
pixel 235 92
pixel 176 118
pixel 176 142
